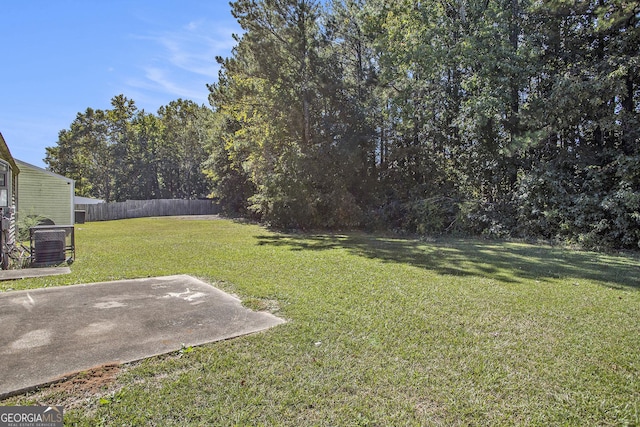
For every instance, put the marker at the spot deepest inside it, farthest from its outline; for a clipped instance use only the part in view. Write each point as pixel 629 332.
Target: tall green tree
pixel 581 184
pixel 124 146
pixel 124 153
pixel 351 107
pixel 275 94
pixel 181 152
pixel 420 50
pixel 507 117
pixel 85 154
pixel 141 177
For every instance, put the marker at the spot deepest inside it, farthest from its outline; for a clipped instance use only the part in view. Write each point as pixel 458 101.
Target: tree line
pixel 124 153
pixel 495 117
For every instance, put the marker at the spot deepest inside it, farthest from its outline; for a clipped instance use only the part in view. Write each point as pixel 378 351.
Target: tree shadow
pixel 503 261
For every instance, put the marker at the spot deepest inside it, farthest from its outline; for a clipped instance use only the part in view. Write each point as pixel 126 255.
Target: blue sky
pixel 58 58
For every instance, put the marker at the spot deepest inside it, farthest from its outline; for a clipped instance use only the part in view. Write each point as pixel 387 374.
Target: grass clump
pixel 381 331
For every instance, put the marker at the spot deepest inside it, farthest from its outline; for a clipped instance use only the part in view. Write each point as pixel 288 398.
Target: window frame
pixel 5 183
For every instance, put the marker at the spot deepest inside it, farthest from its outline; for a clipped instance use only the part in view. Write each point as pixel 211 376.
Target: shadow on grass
pixel 504 261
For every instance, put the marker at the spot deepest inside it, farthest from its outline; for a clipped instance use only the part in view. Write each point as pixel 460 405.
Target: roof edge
pixel 4 150
pixel 29 165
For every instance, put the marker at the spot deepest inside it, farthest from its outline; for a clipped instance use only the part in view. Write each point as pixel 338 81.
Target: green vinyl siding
pixel 42 193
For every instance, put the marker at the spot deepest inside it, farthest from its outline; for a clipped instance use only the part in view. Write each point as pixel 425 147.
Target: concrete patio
pixel 49 333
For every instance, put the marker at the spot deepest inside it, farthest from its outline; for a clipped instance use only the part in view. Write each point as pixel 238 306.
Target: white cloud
pixel 195 49
pixel 162 79
pixel 182 62
pixel 193 25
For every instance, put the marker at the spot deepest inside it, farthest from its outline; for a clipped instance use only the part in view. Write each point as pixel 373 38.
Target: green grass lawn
pixel 381 331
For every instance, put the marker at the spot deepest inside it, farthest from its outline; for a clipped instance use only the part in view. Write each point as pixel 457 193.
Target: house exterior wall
pixel 11 185
pixel 43 193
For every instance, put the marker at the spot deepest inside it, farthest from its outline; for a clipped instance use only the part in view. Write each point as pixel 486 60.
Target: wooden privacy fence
pixel 147 208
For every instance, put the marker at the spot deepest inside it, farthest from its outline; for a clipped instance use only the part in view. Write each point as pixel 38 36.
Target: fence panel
pixel 148 208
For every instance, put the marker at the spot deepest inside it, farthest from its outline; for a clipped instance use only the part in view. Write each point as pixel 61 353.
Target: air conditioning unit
pixel 48 247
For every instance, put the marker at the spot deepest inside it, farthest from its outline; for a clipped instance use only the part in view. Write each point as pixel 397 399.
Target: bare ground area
pixel 79 390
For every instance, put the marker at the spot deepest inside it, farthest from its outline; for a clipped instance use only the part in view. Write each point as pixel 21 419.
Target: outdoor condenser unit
pixel 48 247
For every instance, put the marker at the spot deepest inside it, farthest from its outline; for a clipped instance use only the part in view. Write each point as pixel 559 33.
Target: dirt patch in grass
pixel 80 389
pixel 428 409
pixel 93 381
pixel 261 304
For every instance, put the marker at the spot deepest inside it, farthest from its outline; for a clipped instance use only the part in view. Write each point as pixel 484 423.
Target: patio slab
pixel 50 333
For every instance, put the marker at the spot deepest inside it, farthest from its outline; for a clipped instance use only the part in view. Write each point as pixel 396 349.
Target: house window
pixel 4 183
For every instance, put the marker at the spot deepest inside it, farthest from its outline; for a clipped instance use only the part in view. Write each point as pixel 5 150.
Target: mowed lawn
pixel 382 331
